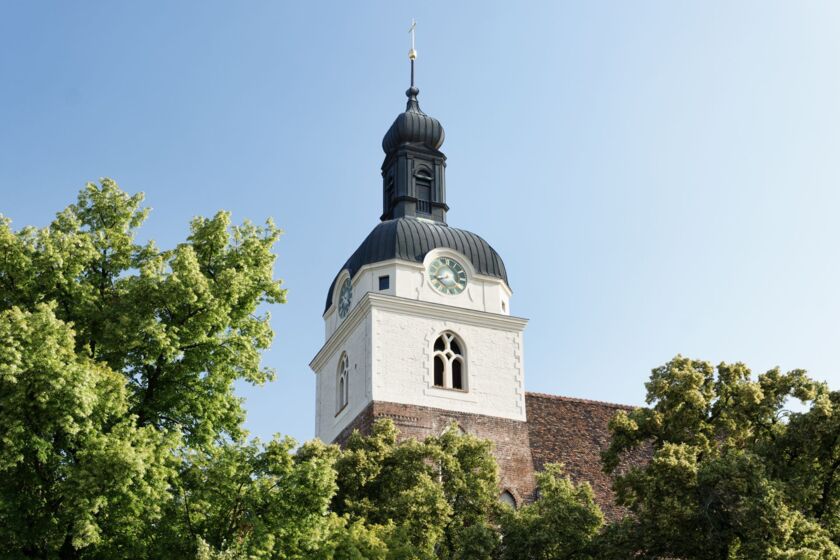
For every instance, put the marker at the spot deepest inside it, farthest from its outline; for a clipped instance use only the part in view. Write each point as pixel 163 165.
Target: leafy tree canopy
pixel 180 324
pixel 75 468
pixel 733 473
pixel 121 436
pixel 117 363
pixel 563 523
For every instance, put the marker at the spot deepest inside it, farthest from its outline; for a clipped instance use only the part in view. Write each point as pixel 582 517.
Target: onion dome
pixel 411 239
pixel 413 127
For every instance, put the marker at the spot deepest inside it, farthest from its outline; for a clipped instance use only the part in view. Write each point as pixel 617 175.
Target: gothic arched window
pixel 342 382
pixel 450 369
pixel 508 499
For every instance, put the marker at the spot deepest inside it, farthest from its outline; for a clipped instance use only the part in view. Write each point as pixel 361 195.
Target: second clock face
pixel 447 276
pixel 344 298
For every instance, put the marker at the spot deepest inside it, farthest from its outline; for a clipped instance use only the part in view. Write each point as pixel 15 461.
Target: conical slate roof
pixel 410 239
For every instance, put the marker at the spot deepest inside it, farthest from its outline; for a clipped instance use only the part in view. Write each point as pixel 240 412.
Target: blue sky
pixel 660 177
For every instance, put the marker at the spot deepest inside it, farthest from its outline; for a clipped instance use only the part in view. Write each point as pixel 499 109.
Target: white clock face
pixel 447 276
pixel 345 298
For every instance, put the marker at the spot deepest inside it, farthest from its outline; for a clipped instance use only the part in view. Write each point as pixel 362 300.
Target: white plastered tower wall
pixel 354 339
pixel 389 337
pixel 404 333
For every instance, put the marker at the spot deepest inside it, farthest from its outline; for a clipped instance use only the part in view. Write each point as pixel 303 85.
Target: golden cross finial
pixel 412 54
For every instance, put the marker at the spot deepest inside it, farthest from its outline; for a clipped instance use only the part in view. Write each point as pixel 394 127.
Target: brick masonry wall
pixel 510 437
pixel 559 429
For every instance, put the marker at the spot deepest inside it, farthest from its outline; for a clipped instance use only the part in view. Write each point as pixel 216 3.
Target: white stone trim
pixel 416 308
pixel 447 312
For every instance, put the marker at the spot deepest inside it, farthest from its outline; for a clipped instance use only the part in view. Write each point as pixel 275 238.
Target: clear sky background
pixel 660 177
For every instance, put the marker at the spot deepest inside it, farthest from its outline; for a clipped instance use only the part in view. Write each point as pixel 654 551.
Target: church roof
pixel 410 239
pixel 575 432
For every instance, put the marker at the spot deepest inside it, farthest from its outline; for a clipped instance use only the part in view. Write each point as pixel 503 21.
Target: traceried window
pixel 343 382
pixel 450 370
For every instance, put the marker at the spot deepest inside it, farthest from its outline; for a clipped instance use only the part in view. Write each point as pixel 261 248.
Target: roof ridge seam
pixel 580 400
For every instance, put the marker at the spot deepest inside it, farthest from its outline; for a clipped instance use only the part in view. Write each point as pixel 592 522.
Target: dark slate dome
pixel 410 239
pixel 413 127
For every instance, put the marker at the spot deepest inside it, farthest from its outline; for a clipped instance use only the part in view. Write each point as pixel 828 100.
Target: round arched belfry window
pixel 450 369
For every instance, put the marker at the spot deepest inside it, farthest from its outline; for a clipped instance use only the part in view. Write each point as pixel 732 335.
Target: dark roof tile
pixel 410 239
pixel 575 432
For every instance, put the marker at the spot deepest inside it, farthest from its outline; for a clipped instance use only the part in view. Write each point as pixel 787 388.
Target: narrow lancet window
pixel 342 382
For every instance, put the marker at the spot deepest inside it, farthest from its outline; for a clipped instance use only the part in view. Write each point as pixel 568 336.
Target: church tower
pixel 418 323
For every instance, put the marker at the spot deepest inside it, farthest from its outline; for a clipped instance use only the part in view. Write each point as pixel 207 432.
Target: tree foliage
pixel 121 436
pixel 76 471
pixel 437 498
pixel 118 361
pixel 733 474
pixel 180 324
pixel 563 523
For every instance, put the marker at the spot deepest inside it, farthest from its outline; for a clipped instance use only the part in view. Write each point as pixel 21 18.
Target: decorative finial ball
pixel 412 54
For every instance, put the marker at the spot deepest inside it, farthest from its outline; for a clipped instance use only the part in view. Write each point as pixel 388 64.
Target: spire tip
pixel 412 54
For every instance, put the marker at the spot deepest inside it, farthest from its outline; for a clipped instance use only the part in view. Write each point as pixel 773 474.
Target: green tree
pixel 118 361
pixel 469 476
pixel 180 324
pixel 733 473
pixel 121 436
pixel 249 500
pixel 561 524
pixel 76 471
pixel 435 498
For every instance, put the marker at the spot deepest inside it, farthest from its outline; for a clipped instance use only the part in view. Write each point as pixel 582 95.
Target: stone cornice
pixel 339 334
pixel 447 312
pixel 416 308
